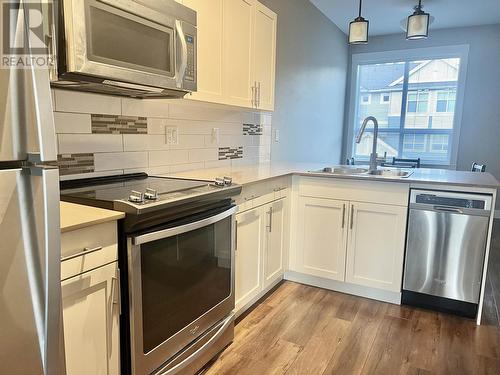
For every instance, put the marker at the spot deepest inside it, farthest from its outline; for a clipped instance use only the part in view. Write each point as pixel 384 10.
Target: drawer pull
pixel 85 251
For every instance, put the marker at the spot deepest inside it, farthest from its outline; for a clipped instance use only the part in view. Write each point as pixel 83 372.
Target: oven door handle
pixel 186 362
pixel 165 233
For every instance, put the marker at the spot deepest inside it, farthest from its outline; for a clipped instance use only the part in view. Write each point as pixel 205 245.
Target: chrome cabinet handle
pixel 115 283
pixel 343 216
pixel 270 213
pixel 254 105
pixel 258 94
pixel 352 215
pixel 236 235
pixel 85 251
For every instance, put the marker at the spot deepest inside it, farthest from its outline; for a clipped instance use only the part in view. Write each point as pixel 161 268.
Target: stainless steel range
pixel 177 267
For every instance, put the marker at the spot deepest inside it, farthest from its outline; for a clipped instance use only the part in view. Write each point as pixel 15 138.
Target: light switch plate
pixel 276 135
pixel 215 136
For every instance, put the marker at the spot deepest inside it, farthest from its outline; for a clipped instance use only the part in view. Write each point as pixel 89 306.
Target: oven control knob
pixel 228 181
pixel 219 182
pixel 151 194
pixel 136 197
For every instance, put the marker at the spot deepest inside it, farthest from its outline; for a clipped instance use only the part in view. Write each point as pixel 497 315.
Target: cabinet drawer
pixel 394 193
pixel 88 248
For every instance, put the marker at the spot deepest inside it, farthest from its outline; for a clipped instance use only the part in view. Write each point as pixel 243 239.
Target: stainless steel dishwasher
pixel 445 249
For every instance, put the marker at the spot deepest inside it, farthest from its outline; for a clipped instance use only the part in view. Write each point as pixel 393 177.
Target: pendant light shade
pixel 417 25
pixel 358 29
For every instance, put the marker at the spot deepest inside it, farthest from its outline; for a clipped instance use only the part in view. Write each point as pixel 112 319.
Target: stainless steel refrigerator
pixel 31 340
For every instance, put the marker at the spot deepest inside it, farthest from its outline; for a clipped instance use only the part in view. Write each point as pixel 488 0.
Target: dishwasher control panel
pixel 450 199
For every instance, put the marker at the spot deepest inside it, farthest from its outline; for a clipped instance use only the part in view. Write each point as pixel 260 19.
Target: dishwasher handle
pixel 455 210
pixel 449 209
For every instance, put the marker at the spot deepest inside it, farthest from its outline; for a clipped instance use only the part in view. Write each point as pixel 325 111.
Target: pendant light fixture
pixel 358 29
pixel 417 25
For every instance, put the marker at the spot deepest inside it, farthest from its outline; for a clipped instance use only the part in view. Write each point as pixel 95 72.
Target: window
pixel 446 100
pixel 420 90
pixel 418 101
pixel 385 98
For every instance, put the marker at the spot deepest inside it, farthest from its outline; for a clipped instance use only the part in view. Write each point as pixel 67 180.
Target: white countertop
pixel 76 216
pixel 255 173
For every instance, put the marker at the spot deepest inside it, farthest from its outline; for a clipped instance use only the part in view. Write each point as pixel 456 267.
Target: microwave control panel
pixel 191 58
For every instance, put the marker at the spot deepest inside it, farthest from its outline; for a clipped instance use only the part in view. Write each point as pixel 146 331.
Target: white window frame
pixel 443 52
pixel 382 94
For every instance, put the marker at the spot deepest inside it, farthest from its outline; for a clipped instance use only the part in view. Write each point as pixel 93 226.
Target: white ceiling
pixel 385 15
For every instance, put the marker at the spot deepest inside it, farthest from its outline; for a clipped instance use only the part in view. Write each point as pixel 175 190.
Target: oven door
pixel 125 41
pixel 181 283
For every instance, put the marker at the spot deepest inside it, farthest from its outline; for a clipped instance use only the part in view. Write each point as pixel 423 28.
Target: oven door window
pixel 122 39
pixel 183 277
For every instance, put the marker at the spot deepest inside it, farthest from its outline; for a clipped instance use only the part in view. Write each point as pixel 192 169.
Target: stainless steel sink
pixel 343 170
pixel 391 173
pixel 357 171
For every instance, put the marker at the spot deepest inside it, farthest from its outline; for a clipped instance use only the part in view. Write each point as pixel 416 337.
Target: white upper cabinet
pixel 210 39
pixel 322 237
pixel 264 56
pixel 236 52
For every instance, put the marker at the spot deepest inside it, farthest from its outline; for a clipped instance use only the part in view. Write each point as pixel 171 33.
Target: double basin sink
pixel 355 171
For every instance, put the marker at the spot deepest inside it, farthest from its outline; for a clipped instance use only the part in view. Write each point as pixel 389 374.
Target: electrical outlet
pixel 175 136
pixel 171 135
pixel 215 136
pixel 276 135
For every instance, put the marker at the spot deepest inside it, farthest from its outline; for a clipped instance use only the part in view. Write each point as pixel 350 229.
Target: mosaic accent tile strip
pixel 112 124
pixel 252 129
pixel 75 163
pixel 226 153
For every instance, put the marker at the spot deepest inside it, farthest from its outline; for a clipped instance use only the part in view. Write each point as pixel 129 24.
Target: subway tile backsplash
pixel 112 124
pixel 102 135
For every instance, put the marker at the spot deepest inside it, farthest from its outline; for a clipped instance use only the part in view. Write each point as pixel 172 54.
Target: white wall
pixel 312 56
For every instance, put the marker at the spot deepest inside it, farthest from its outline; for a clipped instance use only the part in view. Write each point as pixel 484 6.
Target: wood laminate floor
pixel 299 329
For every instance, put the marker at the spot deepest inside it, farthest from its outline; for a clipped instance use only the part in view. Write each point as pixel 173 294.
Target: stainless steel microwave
pixel 137 48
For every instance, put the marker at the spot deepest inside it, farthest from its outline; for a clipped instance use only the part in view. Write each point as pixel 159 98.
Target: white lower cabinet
pixel 248 256
pixel 274 243
pixel 376 244
pixel 353 242
pixel 322 237
pixel 260 251
pixel 91 314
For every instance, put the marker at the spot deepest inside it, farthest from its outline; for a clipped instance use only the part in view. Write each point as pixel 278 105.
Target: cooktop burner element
pixel 139 193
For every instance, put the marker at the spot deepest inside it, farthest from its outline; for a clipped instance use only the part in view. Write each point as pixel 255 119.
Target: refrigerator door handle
pixel 44 116
pixel 54 335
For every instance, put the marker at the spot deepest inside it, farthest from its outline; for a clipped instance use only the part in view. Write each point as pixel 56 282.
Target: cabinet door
pixel 376 245
pixel 322 237
pixel 210 37
pixel 273 254
pixel 265 55
pixel 248 255
pixel 91 322
pixel 238 25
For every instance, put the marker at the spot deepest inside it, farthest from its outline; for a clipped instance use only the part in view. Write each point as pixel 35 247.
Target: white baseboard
pixel 338 286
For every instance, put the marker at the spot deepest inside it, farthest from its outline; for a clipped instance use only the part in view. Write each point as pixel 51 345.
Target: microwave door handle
pixel 183 64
